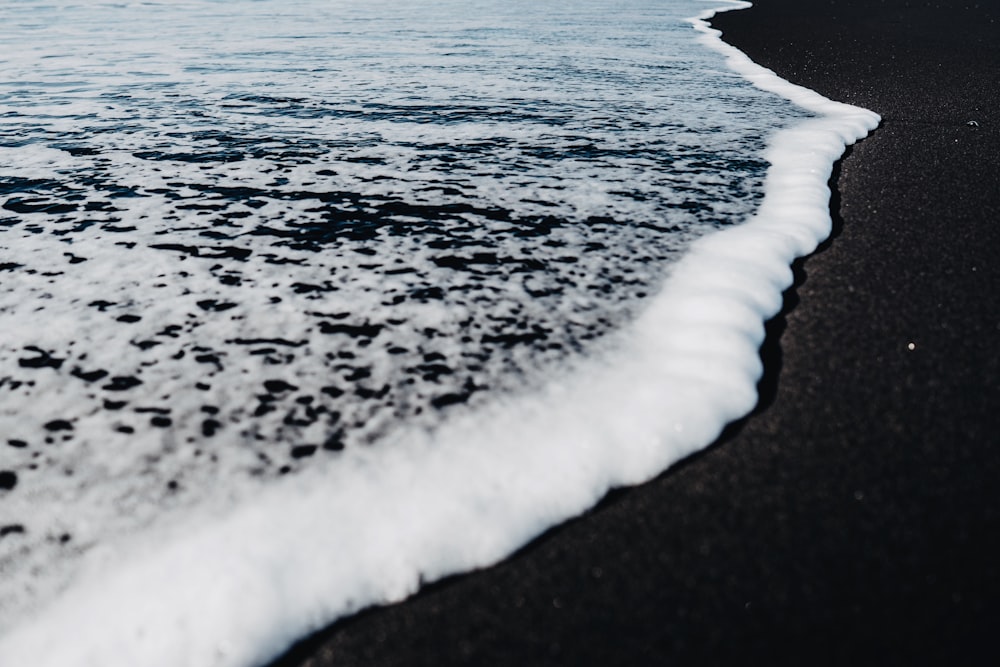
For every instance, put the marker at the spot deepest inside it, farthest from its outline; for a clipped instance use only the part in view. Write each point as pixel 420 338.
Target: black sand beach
pixel 855 517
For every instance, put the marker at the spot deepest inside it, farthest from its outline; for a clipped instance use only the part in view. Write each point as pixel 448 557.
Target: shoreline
pixel 853 516
pixel 442 530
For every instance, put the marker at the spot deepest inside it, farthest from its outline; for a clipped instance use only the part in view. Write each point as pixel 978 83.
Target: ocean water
pixel 304 303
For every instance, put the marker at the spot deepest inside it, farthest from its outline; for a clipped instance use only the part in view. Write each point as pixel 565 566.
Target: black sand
pixel 855 518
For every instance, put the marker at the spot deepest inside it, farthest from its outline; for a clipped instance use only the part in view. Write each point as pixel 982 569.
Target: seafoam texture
pixel 306 302
pixel 239 238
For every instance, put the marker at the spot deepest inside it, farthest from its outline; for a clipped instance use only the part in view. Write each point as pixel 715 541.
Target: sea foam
pixel 235 585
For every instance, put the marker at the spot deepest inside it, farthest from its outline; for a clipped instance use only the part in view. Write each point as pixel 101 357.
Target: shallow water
pixel 241 240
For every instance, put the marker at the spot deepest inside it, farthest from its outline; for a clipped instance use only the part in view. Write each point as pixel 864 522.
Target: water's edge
pixel 686 368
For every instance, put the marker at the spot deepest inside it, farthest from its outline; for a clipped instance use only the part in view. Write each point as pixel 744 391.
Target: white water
pixel 229 586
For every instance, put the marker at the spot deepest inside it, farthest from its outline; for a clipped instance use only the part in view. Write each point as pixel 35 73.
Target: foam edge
pixel 238 590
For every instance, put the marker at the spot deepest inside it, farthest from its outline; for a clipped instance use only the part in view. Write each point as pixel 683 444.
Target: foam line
pixel 236 590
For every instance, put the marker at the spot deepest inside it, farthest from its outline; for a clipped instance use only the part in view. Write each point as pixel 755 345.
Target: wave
pixel 235 586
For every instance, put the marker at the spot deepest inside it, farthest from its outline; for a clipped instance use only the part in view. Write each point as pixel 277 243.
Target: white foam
pixel 235 589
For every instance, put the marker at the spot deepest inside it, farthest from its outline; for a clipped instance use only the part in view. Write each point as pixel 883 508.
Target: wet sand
pixel 855 517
